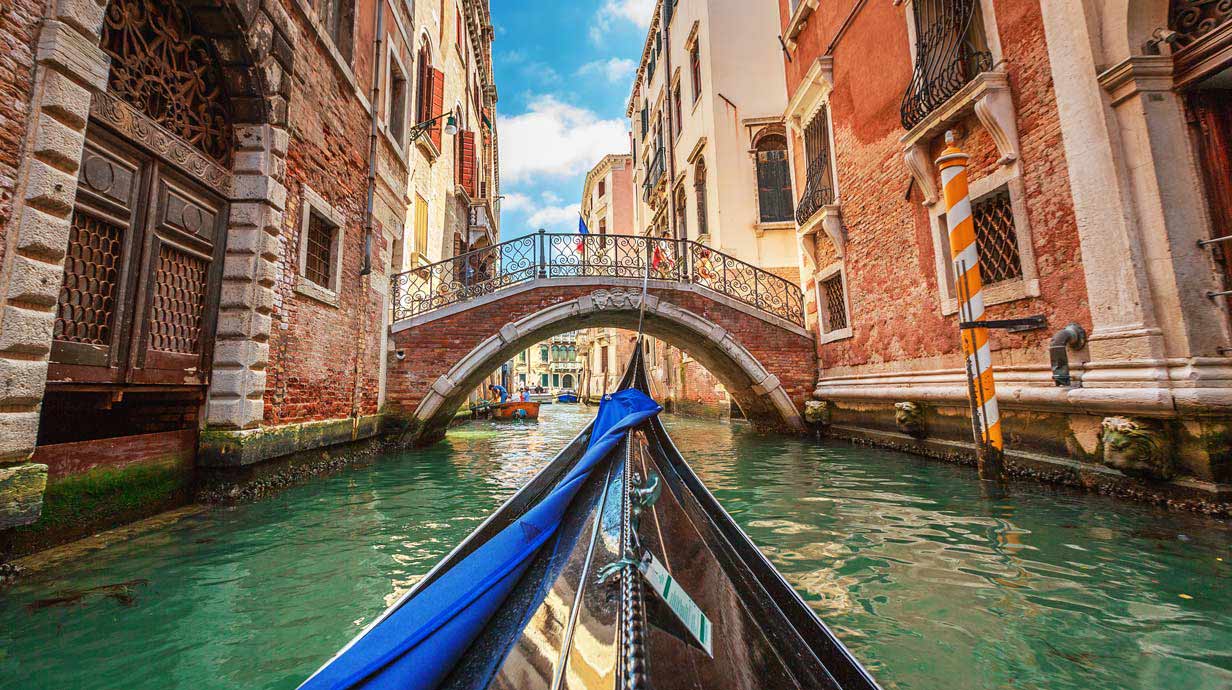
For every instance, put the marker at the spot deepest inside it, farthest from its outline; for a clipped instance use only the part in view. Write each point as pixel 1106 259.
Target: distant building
pixel 607 196
pixel 552 364
pixel 709 145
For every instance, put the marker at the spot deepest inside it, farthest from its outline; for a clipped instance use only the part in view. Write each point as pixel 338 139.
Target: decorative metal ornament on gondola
pixel 946 58
pixel 164 69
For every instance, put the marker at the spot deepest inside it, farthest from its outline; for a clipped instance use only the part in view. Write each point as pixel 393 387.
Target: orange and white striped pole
pixel 986 417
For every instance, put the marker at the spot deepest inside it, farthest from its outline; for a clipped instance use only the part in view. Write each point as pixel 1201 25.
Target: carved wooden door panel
pixel 138 298
pixel 177 283
pixel 93 312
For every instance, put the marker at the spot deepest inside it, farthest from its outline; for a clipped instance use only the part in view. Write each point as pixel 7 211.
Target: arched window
pixel 699 192
pixel 567 381
pixel 423 97
pixel 773 180
pixel 682 224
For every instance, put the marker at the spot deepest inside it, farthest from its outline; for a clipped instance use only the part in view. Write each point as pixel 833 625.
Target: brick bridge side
pixel 756 358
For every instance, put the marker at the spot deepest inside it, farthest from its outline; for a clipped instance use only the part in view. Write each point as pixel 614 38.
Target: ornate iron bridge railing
pixel 945 58
pixel 552 255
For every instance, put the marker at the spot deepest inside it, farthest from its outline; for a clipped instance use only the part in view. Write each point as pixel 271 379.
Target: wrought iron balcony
pixel 945 58
pixel 654 173
pixel 817 191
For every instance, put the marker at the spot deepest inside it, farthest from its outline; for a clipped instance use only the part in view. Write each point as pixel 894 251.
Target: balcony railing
pixel 945 58
pixel 550 255
pixel 654 173
pixel 817 191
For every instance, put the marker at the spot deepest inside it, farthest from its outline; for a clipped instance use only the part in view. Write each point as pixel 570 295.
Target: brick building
pixel 1099 173
pixel 198 240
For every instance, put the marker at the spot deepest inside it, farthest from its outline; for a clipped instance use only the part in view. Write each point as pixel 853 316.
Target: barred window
pixel 833 307
pixel 996 238
pixel 319 260
pixel 950 50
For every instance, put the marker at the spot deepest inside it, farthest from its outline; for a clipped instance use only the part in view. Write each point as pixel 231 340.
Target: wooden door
pixel 1211 117
pixel 138 294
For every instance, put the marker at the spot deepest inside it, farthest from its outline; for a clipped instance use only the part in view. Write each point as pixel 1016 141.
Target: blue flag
pixel 582 229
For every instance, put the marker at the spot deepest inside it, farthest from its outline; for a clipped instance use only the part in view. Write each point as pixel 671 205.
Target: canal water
pixel 929 582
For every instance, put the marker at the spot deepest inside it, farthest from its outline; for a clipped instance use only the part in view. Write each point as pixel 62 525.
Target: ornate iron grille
pixel 546 256
pixel 1193 19
pixel 996 238
pixel 835 303
pixel 319 260
pixel 180 284
pixel 91 272
pixel 949 53
pixel 817 189
pixel 166 70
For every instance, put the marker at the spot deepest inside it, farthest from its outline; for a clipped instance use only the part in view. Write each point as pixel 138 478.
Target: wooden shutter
pixel 467 173
pixel 438 106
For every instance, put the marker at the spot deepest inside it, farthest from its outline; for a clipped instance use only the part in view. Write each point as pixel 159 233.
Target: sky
pixel 564 70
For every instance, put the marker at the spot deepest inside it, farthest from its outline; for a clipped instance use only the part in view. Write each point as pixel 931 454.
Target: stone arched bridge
pixel 456 321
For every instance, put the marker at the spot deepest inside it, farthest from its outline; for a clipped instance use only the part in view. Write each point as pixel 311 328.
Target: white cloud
pixel 515 201
pixel 549 216
pixel 550 198
pixel 636 11
pixel 614 70
pixel 556 139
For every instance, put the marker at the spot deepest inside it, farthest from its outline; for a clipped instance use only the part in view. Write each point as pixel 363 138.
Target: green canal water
pixel 930 583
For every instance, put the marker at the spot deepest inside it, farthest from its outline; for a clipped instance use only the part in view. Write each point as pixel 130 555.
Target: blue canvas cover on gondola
pixel 417 645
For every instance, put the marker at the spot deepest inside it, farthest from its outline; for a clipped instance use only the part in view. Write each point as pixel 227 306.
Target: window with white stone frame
pixel 1003 238
pixel 397 99
pixel 833 305
pixel 320 248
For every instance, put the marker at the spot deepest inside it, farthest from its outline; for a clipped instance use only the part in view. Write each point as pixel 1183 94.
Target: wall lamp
pixel 451 126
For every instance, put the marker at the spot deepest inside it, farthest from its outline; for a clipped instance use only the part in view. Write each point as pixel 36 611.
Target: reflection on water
pixel 929 583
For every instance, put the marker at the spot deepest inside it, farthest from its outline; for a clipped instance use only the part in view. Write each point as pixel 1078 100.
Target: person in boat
pixel 523 395
pixel 500 391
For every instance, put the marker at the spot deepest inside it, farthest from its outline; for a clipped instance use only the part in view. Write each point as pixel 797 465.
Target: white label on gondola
pixel 678 601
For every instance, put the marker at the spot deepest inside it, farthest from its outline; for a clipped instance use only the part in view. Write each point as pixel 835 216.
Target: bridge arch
pixel 766 364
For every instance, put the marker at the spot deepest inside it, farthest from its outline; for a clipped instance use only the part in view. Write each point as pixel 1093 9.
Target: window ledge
pixel 311 290
pixel 762 227
pixel 425 144
pixel 799 19
pixel 840 334
pixel 998 293
pixel 988 96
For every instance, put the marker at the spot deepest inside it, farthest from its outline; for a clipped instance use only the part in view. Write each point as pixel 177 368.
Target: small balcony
pixel 654 174
pixel 817 191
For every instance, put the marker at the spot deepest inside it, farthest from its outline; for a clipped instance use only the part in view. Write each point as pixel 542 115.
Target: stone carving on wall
pixel 1138 447
pixel 909 417
pixel 605 300
pixel 817 412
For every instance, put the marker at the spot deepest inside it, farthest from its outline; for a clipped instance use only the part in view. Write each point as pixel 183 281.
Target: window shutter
pixel 468 162
pixel 438 106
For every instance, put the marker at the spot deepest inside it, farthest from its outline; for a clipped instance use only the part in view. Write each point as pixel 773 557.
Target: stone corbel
pixel 995 110
pixel 832 223
pixel 921 168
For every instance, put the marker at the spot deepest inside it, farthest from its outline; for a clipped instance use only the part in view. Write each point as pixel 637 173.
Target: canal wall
pixel 1162 462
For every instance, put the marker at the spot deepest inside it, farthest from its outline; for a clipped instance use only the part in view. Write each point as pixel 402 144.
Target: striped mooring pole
pixel 985 417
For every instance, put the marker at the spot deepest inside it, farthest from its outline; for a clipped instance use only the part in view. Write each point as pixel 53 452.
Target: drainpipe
pixel 1072 337
pixel 373 133
pixel 366 269
pixel 671 134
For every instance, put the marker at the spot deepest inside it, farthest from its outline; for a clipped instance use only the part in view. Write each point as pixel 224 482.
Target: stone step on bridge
pixel 456 321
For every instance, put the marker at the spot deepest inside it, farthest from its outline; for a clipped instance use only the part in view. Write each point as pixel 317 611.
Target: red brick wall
pixel 19 21
pixel 316 348
pixel 433 348
pixel 891 272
